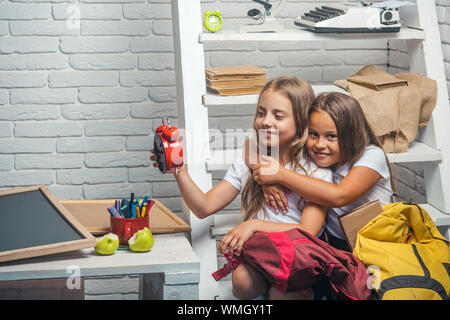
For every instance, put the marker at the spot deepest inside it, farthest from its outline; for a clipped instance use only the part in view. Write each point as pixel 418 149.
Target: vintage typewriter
pixel 350 19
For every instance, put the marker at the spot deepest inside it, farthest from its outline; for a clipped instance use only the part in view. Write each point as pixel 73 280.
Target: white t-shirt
pixel 237 175
pixel 373 158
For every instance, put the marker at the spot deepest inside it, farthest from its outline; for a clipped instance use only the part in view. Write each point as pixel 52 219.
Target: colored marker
pixel 133 210
pixel 113 211
pixel 144 201
pixel 148 208
pixel 110 213
pixel 124 212
pixel 138 214
pixel 131 203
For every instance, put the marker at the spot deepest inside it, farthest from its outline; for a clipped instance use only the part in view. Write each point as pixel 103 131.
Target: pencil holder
pixel 126 228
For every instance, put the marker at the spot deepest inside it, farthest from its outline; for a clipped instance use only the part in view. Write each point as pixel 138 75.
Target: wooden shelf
pixel 216 100
pixel 222 159
pixel 305 35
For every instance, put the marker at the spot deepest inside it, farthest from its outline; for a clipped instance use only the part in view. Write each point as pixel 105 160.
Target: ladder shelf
pixel 431 148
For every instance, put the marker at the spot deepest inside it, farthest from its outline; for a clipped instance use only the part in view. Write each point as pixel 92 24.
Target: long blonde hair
pixel 301 96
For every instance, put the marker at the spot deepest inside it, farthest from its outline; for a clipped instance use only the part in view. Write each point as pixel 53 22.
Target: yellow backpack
pixel 406 255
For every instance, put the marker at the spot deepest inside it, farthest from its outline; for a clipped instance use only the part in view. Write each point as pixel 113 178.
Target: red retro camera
pixel 168 147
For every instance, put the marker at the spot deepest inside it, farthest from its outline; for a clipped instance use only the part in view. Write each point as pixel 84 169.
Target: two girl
pixel 339 138
pixel 280 122
pixel 282 113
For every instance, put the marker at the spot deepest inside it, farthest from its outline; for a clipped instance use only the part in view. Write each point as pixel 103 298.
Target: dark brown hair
pixel 353 131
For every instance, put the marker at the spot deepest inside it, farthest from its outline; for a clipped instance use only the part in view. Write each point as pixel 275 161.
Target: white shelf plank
pixel 417 152
pixel 439 218
pixel 224 222
pixel 305 35
pixel 216 100
pixel 221 159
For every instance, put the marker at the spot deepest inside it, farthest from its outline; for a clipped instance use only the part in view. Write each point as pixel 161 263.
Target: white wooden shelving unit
pixel 431 148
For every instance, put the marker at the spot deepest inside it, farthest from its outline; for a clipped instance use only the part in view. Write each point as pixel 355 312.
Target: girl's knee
pixel 275 294
pixel 242 284
pixel 247 283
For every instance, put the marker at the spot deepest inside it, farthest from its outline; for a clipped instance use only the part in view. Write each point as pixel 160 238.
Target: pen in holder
pixel 129 216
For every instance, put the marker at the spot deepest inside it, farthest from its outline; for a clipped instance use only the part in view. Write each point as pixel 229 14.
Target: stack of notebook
pixel 235 80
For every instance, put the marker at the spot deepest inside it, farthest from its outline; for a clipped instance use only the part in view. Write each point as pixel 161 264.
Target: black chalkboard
pixel 31 218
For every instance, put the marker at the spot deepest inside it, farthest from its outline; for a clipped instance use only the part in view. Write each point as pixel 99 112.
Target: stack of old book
pixel 235 80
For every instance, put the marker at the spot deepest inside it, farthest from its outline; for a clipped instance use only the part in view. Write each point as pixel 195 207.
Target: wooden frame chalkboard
pixel 33 223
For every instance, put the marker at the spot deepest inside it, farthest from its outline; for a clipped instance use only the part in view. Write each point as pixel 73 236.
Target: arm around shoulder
pixel 355 184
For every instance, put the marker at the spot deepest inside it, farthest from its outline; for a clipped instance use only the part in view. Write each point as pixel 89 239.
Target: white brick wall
pixel 79 101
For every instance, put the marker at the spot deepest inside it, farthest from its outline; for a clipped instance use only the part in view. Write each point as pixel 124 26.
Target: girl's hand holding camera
pixel 154 158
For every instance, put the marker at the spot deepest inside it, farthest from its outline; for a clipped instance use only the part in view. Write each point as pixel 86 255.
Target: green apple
pixel 107 244
pixel 141 241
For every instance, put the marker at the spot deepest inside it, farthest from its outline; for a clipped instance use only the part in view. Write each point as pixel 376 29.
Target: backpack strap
pixel 232 263
pixel 394 197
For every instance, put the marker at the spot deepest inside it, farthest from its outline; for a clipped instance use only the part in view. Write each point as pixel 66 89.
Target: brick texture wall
pixel 80 98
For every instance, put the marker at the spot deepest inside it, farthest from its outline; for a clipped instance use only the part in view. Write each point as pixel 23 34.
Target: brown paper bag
pixel 409 103
pixel 428 92
pixel 355 220
pixel 375 79
pixel 392 108
pixel 380 109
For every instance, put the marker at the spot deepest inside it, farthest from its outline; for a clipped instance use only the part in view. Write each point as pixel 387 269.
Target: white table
pixel 170 270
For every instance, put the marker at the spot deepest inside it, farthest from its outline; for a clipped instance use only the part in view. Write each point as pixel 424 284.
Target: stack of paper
pixel 235 80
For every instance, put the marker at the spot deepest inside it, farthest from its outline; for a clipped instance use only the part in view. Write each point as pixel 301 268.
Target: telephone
pixel 265 21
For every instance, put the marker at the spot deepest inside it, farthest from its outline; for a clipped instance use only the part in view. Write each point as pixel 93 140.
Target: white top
pixel 373 158
pixel 237 175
